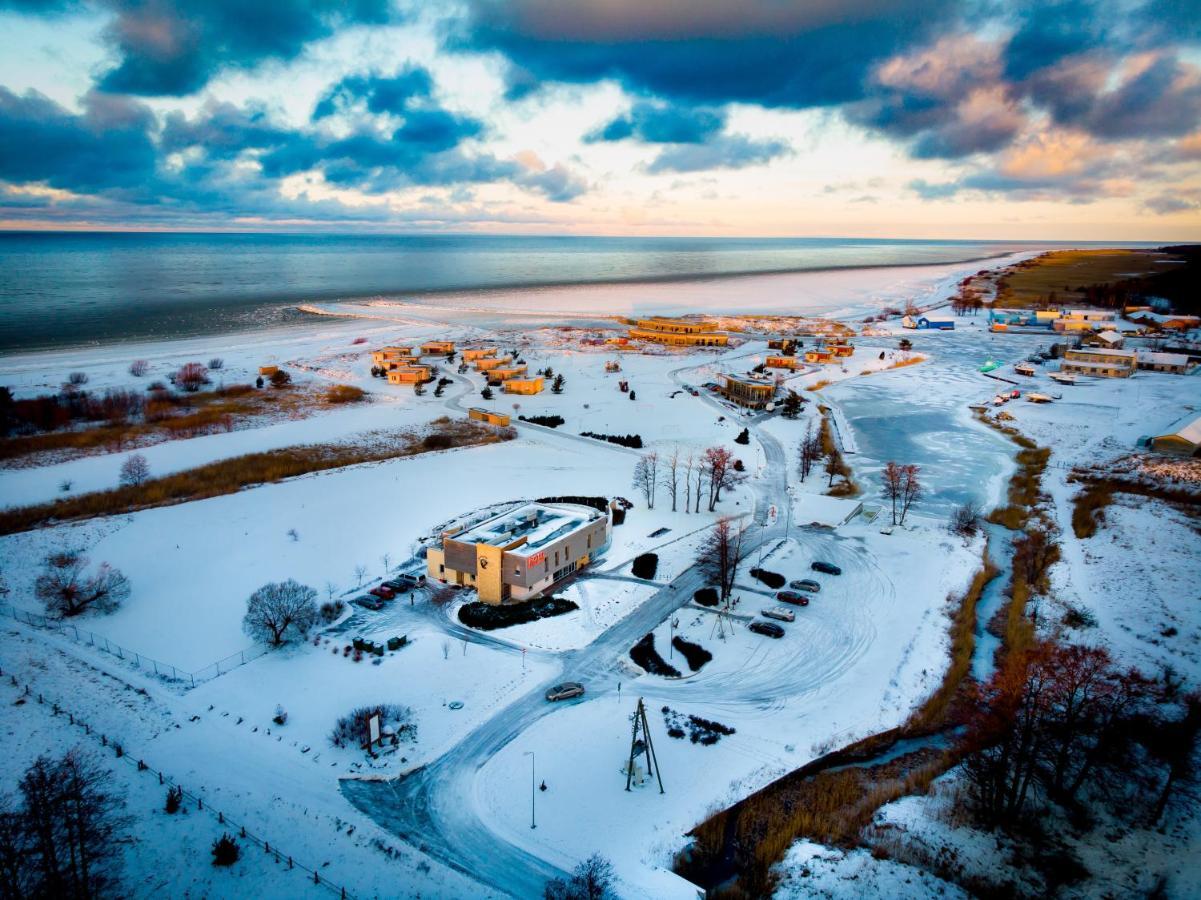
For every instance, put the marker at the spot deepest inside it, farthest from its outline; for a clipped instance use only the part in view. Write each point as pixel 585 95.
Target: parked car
pixel 778 612
pixel 368 602
pixel 565 691
pixel 769 629
pixel 806 584
pixel 399 586
pixel 825 568
pixel 383 592
pixel 792 597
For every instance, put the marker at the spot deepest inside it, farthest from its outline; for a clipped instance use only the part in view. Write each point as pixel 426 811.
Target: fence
pixel 119 749
pixel 161 669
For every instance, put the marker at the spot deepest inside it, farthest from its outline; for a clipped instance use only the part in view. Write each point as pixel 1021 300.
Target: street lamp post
pixel 533 822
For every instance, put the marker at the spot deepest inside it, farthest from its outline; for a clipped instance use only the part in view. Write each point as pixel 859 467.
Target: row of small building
pixel 1103 362
pixel 1075 320
pixel 404 366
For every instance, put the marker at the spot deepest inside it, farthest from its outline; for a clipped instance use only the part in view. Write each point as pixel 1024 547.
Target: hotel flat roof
pixel 539 523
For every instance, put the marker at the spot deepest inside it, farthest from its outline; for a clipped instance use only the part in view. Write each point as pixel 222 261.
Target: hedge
pixel 645 654
pixel 773 580
pixel 487 617
pixel 645 566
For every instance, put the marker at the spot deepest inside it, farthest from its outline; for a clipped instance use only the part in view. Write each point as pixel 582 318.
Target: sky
pixel 1007 119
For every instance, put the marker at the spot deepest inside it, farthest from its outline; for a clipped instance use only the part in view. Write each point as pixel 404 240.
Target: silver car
pixel 806 584
pixel 565 691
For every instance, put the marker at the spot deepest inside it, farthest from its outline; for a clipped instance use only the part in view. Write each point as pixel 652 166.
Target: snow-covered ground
pixel 868 649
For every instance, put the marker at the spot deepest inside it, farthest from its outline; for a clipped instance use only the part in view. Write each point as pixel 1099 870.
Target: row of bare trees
pixel 1064 724
pixel 62 837
pixel 690 478
pixel 901 485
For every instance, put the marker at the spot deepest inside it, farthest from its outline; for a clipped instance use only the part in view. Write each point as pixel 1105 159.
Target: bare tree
pixel 721 554
pixel 689 465
pixel 811 447
pixel 671 476
pixel 911 489
pixel 191 376
pixel 902 487
pixel 135 470
pixel 718 466
pixel 646 476
pixel 68 590
pixel 890 486
pixel 592 879
pixel 386 559
pixel 138 368
pixel 701 474
pixel 360 572
pixel 279 610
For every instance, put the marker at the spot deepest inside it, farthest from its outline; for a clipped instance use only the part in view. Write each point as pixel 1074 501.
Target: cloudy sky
pixel 1057 119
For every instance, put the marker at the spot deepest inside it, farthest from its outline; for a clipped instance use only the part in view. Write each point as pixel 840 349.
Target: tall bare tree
pixel 689 465
pixel 810 451
pixel 718 466
pixel 646 476
pixel 671 476
pixel 721 554
pixel 902 487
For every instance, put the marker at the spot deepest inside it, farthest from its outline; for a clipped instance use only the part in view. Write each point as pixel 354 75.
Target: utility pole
pixel 640 723
pixel 533 821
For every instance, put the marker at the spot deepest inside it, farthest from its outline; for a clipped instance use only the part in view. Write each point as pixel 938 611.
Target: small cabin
pixel 487 415
pixel 523 385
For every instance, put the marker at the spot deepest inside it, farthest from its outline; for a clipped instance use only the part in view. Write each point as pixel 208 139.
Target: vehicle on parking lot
pixel 769 629
pixel 792 597
pixel 777 612
pixel 565 691
pixel 806 584
pixel 399 586
pixel 825 568
pixel 405 581
pixel 383 592
pixel 368 602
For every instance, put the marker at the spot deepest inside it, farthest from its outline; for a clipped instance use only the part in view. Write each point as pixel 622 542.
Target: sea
pixel 77 289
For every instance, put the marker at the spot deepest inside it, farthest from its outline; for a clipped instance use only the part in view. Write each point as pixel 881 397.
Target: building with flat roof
pixel 430 348
pixel 753 393
pixel 410 374
pixel 1110 340
pixel 486 415
pixel 522 553
pixel 782 362
pixel 527 386
pixel 1154 361
pixel 471 354
pixel 487 363
pixel 679 332
pixel 391 357
pixel 1099 362
pixel 819 356
pixel 503 373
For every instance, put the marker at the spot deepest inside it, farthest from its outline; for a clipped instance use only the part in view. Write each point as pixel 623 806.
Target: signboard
pixel 373 732
pixel 536 558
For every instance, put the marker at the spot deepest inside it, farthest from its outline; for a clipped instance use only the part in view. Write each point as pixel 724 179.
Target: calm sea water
pixel 69 289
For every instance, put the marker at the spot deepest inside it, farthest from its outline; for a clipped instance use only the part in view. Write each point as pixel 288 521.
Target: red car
pixel 792 597
pixel 383 592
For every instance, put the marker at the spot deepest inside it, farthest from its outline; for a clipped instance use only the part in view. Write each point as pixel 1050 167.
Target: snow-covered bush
pixel 351 729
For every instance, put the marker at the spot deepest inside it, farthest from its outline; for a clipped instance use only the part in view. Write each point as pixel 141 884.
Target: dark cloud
pixel 174 47
pixel 1048 31
pixel 1166 204
pixel 732 151
pixel 928 191
pixel 660 123
pixel 773 54
pixel 379 93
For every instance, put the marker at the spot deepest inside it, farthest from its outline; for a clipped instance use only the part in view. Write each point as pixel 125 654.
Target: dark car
pixel 792 597
pixel 368 602
pixel 825 568
pixel 383 592
pixel 399 586
pixel 806 584
pixel 565 691
pixel 768 629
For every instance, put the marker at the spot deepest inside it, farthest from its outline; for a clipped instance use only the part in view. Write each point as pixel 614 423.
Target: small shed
pixel 1183 440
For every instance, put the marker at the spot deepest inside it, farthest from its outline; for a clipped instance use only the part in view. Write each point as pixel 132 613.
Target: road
pixel 434 807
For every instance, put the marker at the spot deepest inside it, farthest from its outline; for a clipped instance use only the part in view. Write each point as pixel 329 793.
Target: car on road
pixel 806 584
pixel 768 629
pixel 368 602
pixel 792 597
pixel 778 612
pixel 383 592
pixel 565 691
pixel 825 568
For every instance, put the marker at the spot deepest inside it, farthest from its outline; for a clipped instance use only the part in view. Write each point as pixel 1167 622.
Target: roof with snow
pixel 1162 359
pixel 1187 427
pixel 538 523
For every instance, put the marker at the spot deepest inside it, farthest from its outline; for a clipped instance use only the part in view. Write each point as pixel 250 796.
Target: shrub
pixel 174 800
pixel 135 470
pixel 645 565
pixel 487 617
pixel 634 441
pixel 281 715
pixel 190 377
pixel 77 378
pixel 345 393
pixel 138 368
pixel 645 655
pixel 773 580
pixel 695 654
pixel 744 437
pixel 437 441
pixel 548 421
pixel 330 610
pixel 226 851
pixel 216 363
pixel 281 378
pixel 350 729
pixel 706 596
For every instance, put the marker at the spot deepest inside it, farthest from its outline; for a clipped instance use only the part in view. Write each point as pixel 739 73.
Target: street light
pixel 530 754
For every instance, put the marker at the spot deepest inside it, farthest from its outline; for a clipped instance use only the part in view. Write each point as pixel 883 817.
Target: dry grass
pixel 821 383
pixel 1088 508
pixel 181 416
pixel 230 475
pixel 1031 283
pixel 847 487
